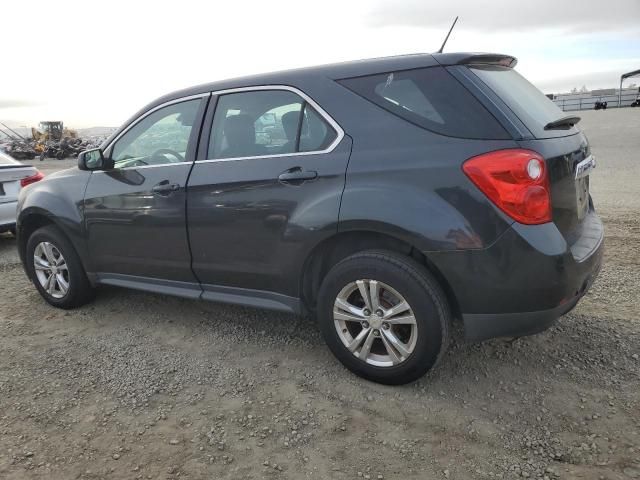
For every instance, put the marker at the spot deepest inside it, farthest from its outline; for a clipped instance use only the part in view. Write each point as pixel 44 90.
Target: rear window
pixel 430 98
pixel 529 104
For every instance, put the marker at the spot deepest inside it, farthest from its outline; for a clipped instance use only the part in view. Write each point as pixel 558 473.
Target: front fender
pixel 58 200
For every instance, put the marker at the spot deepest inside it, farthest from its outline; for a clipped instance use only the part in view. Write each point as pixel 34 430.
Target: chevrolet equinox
pixel 386 197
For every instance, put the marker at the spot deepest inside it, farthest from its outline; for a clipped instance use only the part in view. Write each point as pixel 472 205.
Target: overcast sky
pixel 94 63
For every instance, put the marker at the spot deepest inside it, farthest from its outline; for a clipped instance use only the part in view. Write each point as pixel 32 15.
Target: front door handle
pixel 165 188
pixel 296 176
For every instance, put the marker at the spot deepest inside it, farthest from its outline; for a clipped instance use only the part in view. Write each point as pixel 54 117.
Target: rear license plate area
pixel 582 197
pixel 582 171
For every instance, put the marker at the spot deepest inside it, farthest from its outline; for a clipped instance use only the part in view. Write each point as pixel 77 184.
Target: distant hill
pixel 82 132
pixel 95 131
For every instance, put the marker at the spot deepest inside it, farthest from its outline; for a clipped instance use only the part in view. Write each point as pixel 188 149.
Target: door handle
pixel 165 188
pixel 296 176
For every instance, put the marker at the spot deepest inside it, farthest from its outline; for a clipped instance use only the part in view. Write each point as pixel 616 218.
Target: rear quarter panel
pixel 408 182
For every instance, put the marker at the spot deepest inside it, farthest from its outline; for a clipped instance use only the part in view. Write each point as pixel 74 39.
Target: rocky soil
pixel 142 386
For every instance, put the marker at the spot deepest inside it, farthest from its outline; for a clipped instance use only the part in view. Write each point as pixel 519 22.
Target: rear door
pixel 135 212
pixel 268 189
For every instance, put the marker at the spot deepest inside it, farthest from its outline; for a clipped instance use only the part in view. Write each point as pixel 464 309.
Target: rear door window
pixel 315 132
pixel 529 104
pixel 430 98
pixel 267 122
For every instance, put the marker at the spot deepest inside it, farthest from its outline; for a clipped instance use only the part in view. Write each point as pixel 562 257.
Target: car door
pixel 268 189
pixel 135 212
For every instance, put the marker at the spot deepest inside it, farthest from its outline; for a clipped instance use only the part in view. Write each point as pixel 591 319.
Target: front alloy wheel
pixel 55 269
pixel 375 323
pixel 51 269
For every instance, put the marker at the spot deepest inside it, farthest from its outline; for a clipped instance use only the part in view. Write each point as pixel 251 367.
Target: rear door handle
pixel 165 188
pixel 296 176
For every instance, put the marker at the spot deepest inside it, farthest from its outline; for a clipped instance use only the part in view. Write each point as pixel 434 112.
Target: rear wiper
pixel 562 123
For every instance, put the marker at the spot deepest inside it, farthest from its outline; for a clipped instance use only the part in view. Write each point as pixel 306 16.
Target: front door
pixel 135 212
pixel 266 192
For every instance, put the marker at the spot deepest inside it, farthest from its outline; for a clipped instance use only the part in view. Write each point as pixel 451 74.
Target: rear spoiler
pixel 497 59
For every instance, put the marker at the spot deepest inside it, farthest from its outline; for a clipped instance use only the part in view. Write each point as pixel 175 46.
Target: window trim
pixel 309 101
pixel 216 93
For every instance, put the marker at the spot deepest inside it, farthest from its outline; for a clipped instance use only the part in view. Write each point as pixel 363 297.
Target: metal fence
pixel 588 103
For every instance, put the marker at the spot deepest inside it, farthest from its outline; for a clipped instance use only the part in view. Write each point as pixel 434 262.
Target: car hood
pixel 69 172
pixel 58 182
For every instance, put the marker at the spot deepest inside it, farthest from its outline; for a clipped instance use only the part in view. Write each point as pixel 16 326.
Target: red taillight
pixel 516 181
pixel 32 179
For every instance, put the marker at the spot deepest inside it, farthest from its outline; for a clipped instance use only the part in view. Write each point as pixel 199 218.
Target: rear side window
pixel 529 104
pixel 430 98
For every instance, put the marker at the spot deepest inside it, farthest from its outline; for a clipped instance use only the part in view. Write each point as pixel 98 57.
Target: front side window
pixel 266 122
pixel 159 138
pixel 430 98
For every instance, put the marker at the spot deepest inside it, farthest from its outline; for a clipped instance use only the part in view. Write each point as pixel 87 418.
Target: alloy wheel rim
pixel 51 269
pixel 375 323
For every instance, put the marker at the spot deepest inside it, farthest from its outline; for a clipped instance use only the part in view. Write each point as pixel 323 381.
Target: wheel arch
pixel 343 244
pixel 33 218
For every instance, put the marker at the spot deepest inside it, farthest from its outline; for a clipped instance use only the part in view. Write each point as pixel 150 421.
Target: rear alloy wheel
pixel 56 270
pixel 375 323
pixel 384 316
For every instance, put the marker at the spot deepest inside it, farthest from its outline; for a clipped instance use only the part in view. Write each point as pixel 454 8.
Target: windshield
pixel 529 104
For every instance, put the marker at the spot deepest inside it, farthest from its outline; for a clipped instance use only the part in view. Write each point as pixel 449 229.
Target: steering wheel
pixel 158 155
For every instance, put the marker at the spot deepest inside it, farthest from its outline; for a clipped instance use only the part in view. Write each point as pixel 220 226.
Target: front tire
pixel 384 316
pixel 56 270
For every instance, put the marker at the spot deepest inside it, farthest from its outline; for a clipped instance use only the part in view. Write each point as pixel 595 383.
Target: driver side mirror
pixel 93 160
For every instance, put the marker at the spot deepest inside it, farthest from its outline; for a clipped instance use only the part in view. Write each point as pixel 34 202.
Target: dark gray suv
pixel 387 197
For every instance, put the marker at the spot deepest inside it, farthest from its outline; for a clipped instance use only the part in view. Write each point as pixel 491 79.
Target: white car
pixel 13 176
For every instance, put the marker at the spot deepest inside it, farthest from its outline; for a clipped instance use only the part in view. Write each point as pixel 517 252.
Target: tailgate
pixel 569 163
pixel 565 150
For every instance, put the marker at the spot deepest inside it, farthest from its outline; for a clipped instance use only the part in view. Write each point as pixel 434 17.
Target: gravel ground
pixel 139 386
pixel 51 165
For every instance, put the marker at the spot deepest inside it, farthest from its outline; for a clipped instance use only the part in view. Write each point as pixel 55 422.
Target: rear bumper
pixel 525 281
pixel 482 326
pixel 7 215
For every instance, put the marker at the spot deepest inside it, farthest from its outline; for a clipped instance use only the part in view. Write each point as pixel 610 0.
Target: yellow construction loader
pixel 50 131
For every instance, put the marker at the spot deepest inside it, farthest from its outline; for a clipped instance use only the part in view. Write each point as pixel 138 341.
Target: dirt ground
pixel 139 386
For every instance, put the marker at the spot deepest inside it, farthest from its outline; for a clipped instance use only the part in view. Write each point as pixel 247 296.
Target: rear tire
pixel 58 265
pixel 365 341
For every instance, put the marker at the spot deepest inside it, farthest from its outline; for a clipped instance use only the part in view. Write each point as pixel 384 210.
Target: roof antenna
pixel 447 37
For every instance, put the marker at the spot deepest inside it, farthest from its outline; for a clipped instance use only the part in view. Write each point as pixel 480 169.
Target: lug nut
pixel 376 333
pixel 365 324
pixel 366 312
pixel 379 313
pixel 385 325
